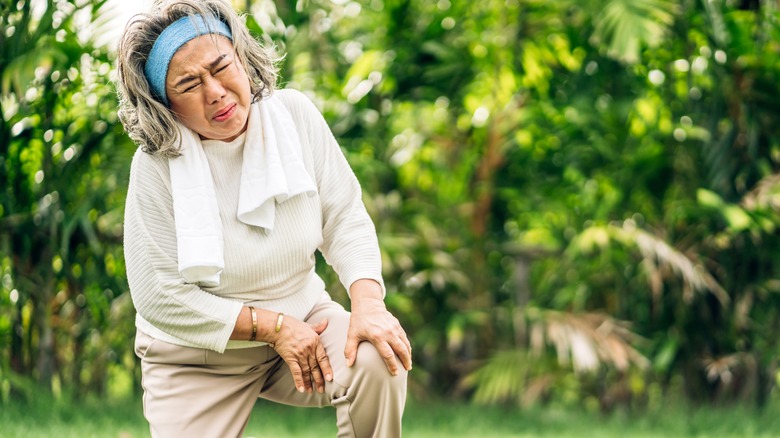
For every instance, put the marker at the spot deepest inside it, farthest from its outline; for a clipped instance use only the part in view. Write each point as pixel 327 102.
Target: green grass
pixel 124 420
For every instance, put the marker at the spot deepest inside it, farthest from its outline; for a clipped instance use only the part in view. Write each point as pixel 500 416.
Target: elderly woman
pixel 234 188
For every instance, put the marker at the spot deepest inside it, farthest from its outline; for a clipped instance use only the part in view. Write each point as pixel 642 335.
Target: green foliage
pixel 577 201
pixel 625 27
pixel 64 171
pixel 541 164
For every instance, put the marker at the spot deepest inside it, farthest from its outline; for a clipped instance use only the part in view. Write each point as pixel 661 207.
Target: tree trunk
pixel 46 360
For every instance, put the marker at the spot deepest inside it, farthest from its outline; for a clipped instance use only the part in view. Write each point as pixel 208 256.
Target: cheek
pixel 186 110
pixel 242 82
pixel 188 120
pixel 191 118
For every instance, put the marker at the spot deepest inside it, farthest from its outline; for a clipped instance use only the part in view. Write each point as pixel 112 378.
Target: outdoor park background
pixel 577 201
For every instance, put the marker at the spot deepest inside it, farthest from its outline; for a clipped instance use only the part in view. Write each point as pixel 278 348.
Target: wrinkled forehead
pixel 208 46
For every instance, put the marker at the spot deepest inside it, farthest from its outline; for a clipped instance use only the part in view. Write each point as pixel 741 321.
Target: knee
pixel 372 366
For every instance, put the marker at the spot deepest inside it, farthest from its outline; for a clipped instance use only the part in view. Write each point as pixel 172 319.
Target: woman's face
pixel 208 88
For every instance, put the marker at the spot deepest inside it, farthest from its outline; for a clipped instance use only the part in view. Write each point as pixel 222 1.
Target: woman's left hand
pixel 372 322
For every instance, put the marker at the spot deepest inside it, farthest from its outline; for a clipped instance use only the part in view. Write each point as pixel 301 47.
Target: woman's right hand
pixel 298 344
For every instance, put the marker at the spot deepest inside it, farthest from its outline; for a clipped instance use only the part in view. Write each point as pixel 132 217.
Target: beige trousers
pixel 193 392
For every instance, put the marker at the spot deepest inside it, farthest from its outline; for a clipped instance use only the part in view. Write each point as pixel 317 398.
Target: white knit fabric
pixel 272 172
pixel 272 269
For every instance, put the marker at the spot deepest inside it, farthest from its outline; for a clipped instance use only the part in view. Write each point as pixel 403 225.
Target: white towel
pixel 272 171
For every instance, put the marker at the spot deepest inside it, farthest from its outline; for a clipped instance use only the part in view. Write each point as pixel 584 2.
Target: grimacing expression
pixel 208 88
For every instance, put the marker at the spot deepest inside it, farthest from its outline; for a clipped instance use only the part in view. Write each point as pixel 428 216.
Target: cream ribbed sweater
pixel 269 269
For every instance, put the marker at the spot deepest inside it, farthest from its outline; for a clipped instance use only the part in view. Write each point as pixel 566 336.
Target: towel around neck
pixel 272 172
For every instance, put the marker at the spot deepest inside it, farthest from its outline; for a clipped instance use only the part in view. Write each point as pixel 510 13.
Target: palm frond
pixel 657 254
pixel 734 374
pixel 766 194
pixel 20 72
pixel 587 341
pixel 501 378
pixel 624 27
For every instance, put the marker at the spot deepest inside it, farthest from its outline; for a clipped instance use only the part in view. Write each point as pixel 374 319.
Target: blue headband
pixel 170 40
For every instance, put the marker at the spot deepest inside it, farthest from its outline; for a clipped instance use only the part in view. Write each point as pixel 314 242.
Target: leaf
pixel 591 239
pixel 736 217
pixel 765 194
pixel 624 27
pixel 501 378
pixel 708 198
pixel 664 358
pixel 20 72
pixel 658 252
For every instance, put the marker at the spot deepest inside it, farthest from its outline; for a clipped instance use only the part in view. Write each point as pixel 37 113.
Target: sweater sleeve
pixel 160 295
pixel 350 242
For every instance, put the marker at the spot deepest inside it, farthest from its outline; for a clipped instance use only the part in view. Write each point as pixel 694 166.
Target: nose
pixel 214 91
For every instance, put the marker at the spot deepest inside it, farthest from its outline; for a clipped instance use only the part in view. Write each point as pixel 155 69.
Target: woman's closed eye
pixel 195 84
pixel 222 68
pixel 191 87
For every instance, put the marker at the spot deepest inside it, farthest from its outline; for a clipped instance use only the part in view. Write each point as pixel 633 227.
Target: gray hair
pixel 149 122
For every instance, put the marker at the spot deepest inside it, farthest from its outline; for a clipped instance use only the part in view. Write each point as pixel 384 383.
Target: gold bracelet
pixel 254 324
pixel 279 321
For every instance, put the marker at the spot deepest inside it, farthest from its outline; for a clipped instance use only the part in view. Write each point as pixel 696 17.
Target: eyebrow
pixel 213 65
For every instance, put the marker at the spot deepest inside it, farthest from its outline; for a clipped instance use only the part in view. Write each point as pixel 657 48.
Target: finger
pixel 306 377
pixel 404 352
pixel 408 345
pixel 297 375
pixel 386 351
pixel 351 349
pixel 320 326
pixel 406 341
pixel 324 362
pixel 316 374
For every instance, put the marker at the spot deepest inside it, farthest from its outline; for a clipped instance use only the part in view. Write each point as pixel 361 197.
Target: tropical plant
pixel 63 318
pixel 577 201
pixel 557 158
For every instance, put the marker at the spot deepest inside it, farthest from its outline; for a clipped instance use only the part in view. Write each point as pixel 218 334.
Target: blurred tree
pixel 63 167
pixel 577 201
pixel 541 171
